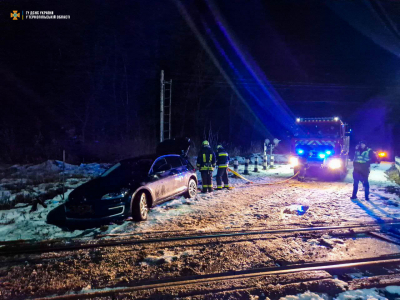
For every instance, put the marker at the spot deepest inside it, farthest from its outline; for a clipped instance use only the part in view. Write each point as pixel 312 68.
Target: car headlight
pixel 294 161
pixel 118 195
pixel 335 163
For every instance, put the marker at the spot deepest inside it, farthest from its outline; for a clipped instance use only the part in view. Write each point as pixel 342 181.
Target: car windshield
pixel 318 130
pixel 128 168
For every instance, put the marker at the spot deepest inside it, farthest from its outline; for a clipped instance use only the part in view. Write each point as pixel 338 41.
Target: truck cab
pixel 320 144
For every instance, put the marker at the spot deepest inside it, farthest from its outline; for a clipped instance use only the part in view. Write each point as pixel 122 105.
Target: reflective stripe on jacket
pixel 222 159
pixel 362 157
pixel 206 159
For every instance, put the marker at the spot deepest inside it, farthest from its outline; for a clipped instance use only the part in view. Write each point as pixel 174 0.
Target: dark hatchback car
pixel 131 187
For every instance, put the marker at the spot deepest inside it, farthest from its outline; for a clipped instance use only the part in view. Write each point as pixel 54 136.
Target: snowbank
pixel 278 158
pixel 363 294
pixel 55 166
pixel 283 206
pixel 30 181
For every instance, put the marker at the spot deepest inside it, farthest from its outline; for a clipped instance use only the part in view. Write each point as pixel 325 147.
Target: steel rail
pixel 114 243
pixel 199 279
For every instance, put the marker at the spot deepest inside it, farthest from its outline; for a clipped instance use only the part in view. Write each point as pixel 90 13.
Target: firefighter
pixel 222 163
pixel 303 168
pixel 206 163
pixel 362 161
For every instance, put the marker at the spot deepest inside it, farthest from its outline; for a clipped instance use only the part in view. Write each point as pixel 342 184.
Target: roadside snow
pixel 35 180
pixel 306 296
pixel 363 294
pixel 312 202
pixel 393 289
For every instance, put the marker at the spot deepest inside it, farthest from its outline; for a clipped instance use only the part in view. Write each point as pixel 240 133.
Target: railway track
pixel 216 278
pixel 141 286
pixel 15 249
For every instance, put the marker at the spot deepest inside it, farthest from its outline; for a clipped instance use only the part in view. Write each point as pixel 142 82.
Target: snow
pixel 278 158
pixel 289 204
pixel 166 257
pixel 393 289
pixel 35 180
pixel 362 294
pixel 367 294
pixel 306 296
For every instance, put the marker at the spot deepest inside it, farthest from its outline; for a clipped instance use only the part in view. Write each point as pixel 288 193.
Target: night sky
pixel 242 69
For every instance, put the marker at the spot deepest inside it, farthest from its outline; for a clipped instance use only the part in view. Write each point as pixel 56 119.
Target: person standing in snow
pixel 362 160
pixel 206 163
pixel 222 163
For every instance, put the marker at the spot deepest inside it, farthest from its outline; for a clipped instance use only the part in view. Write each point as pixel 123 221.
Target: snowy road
pixel 293 203
pixel 269 206
pixel 290 204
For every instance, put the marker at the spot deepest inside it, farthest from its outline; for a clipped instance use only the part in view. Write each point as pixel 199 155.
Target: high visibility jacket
pixel 222 158
pixel 362 157
pixel 206 159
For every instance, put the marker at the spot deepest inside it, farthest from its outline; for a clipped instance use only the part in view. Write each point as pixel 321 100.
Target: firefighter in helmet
pixel 222 163
pixel 363 158
pixel 206 163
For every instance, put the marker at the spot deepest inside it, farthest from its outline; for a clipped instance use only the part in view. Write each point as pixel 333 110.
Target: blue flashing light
pixel 321 155
pixel 300 151
pixel 328 152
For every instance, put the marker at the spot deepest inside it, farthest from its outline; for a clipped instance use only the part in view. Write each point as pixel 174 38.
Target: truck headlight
pixel 294 161
pixel 335 163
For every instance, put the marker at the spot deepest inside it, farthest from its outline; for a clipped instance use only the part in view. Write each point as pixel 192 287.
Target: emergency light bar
pixel 332 119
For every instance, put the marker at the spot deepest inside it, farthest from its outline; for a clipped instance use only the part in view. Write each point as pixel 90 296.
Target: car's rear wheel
pixel 192 189
pixel 140 207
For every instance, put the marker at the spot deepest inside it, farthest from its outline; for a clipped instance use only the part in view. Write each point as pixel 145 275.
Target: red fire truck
pixel 320 144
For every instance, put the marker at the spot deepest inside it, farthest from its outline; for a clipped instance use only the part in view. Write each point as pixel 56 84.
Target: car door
pixel 177 173
pixel 187 170
pixel 161 180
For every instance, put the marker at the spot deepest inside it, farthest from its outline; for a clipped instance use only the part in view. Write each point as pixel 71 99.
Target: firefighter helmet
pixel 206 143
pixel 220 146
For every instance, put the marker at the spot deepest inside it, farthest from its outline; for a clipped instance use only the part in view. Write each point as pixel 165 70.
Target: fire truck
pixel 322 145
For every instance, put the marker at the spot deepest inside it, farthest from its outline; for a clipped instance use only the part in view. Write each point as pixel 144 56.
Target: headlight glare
pixel 294 161
pixel 335 163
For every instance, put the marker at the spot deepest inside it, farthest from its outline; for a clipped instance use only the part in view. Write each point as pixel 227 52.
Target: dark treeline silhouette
pixel 90 85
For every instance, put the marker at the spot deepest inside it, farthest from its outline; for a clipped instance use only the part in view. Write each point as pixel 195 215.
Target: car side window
pixel 174 161
pixel 158 164
pixel 183 161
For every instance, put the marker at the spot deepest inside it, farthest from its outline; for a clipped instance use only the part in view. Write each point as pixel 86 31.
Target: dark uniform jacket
pixel 222 158
pixel 206 159
pixel 362 160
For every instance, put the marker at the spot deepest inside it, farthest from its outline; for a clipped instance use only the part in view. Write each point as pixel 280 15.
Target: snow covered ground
pixel 249 205
pixel 363 294
pixel 266 203
pixel 36 180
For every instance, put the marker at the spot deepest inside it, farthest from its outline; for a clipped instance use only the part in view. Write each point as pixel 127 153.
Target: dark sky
pixel 97 74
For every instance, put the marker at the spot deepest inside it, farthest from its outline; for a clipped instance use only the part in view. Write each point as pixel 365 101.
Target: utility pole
pixel 162 107
pixel 165 107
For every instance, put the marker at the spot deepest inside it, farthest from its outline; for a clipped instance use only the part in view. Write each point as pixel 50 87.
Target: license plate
pixel 82 209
